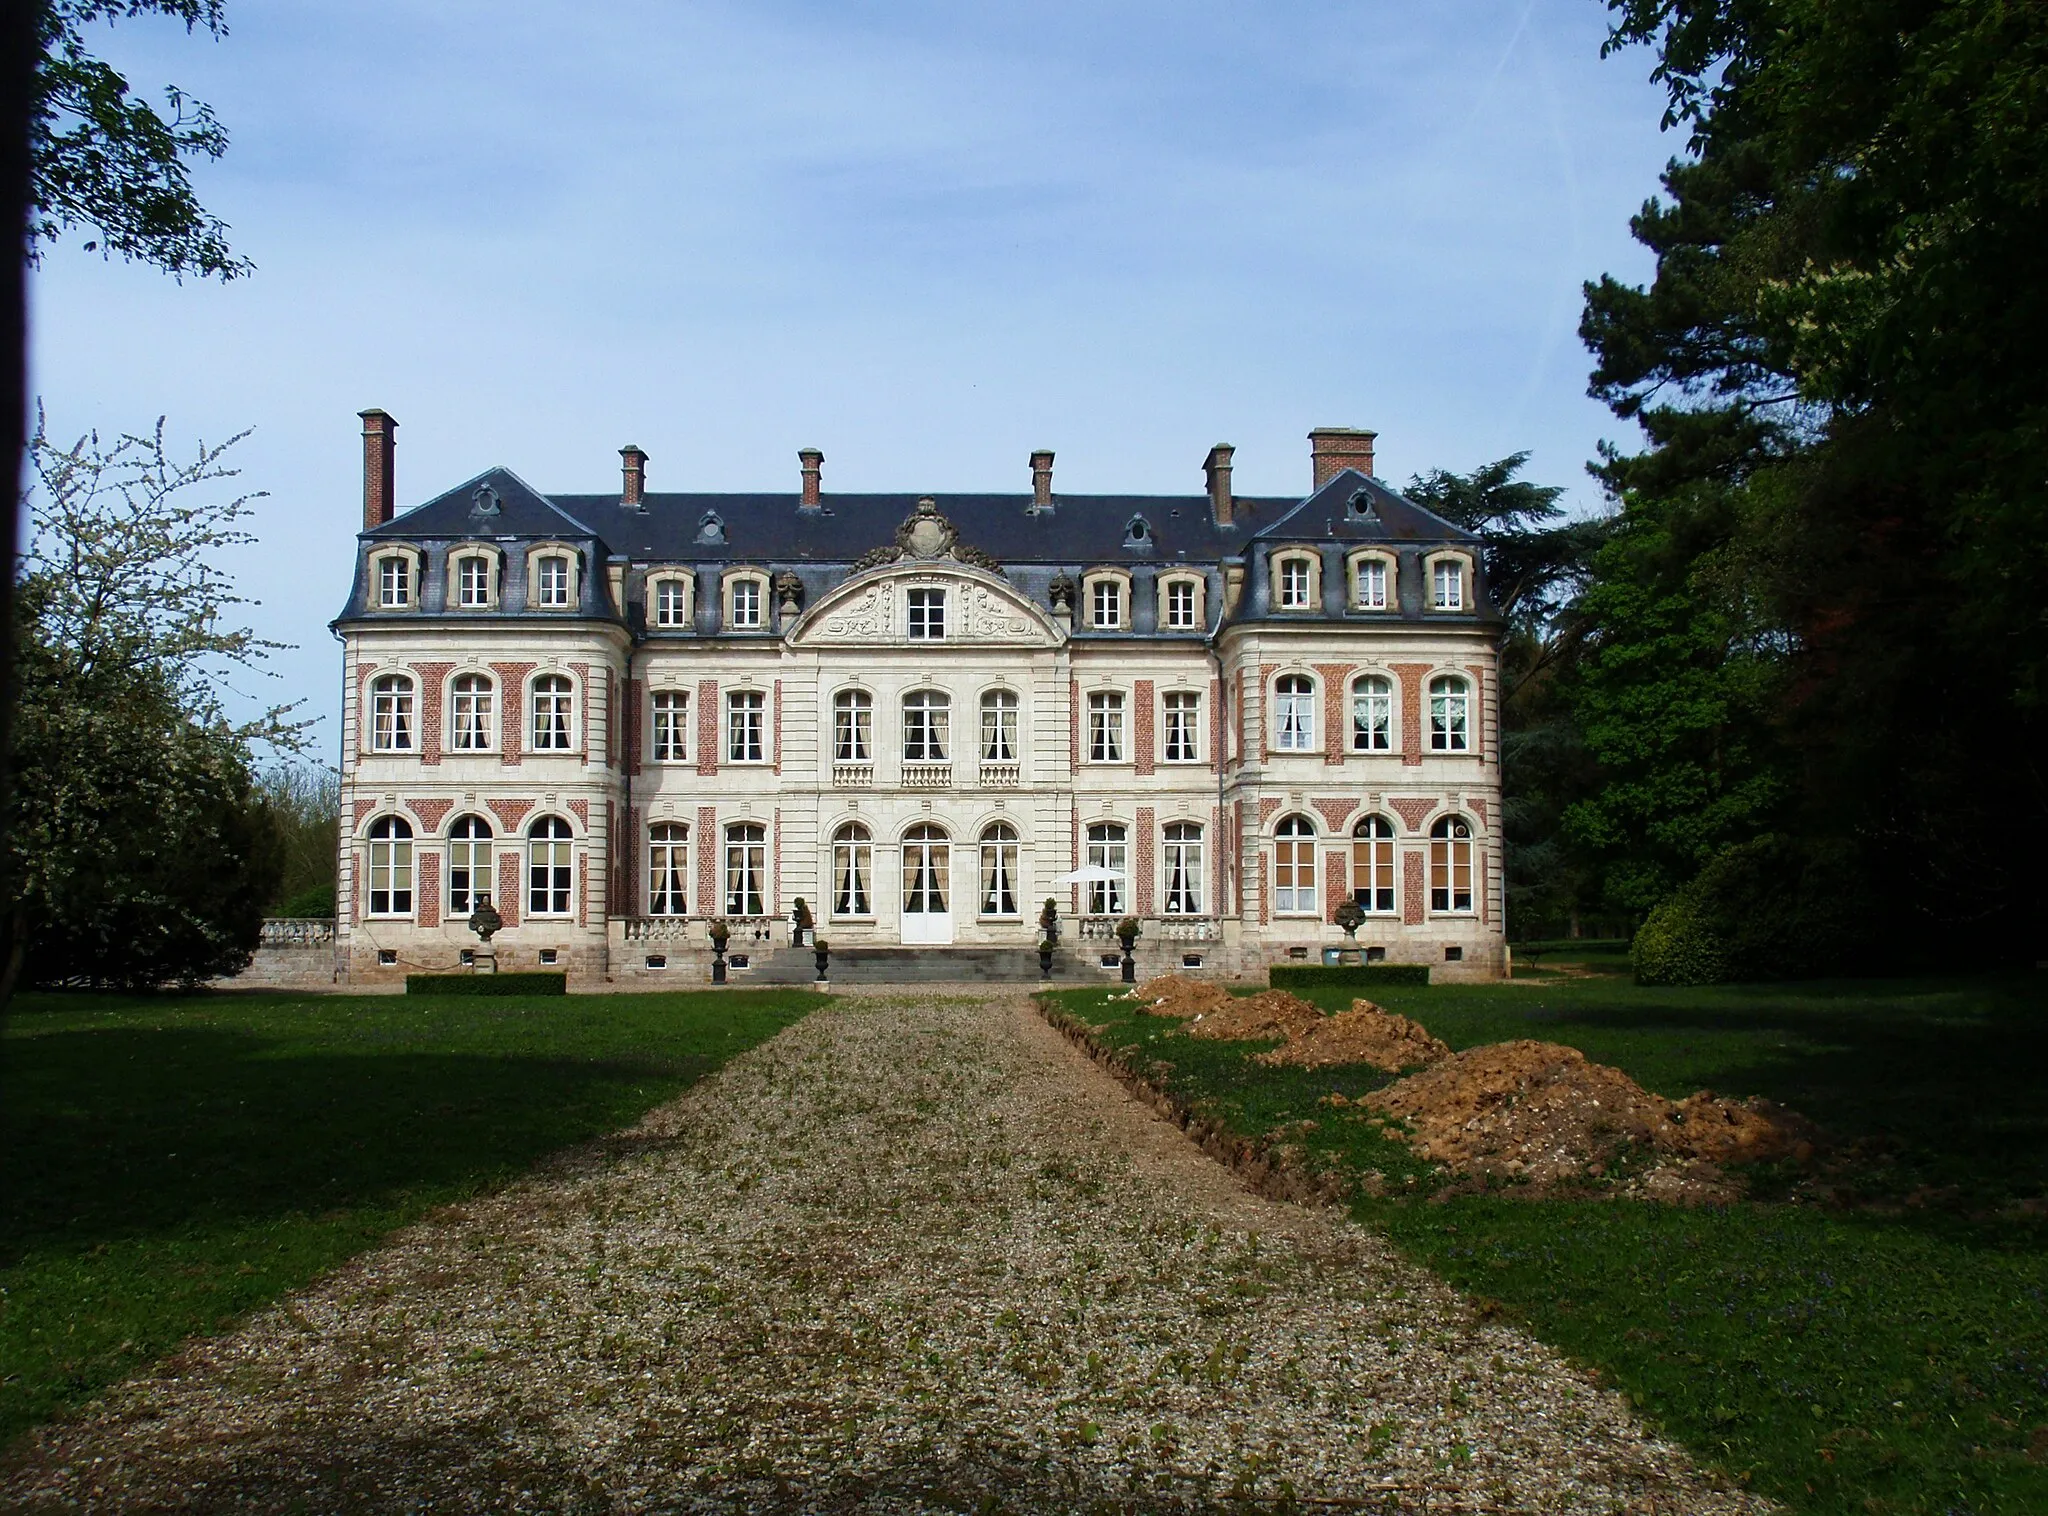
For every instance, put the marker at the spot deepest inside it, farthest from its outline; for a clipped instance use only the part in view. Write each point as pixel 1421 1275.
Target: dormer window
pixel 1360 507
pixel 927 615
pixel 552 576
pixel 1106 605
pixel 746 609
pixel 1183 604
pixel 1371 584
pixel 1297 587
pixel 1447 585
pixel 671 603
pixel 473 586
pixel 1137 533
pixel 394 582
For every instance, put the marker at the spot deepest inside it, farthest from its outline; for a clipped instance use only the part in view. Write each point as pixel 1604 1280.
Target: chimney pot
pixel 813 463
pixel 1216 469
pixel 380 436
pixel 1333 449
pixel 633 485
pixel 1041 480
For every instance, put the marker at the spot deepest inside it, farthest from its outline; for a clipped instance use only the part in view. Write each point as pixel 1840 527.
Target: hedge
pixel 540 982
pixel 1332 976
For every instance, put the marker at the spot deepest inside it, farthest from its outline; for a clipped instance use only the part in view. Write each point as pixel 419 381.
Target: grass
pixel 1869 1339
pixel 175 1162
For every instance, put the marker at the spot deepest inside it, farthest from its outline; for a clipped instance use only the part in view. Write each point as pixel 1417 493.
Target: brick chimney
pixel 814 467
pixel 380 499
pixel 1041 480
pixel 633 484
pixel 1333 449
pixel 1216 469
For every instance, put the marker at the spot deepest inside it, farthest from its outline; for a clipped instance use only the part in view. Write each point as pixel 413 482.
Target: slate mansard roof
pixel 1145 534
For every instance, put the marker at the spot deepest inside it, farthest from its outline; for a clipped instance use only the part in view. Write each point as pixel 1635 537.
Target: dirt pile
pixel 1270 1013
pixel 1544 1112
pixel 1178 995
pixel 1363 1034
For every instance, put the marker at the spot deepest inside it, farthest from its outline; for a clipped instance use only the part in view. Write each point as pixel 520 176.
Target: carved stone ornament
pixel 926 536
pixel 788 588
pixel 1063 589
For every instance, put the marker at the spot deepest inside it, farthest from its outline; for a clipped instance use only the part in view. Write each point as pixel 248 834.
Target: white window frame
pixel 1450 714
pixel 552 597
pixel 555 720
pixel 390 862
pixel 853 726
pixel 1295 860
pixel 395 579
pixel 1297 568
pixel 1181 726
pixel 1106 711
pixel 1375 861
pixel 927 735
pixel 1002 724
pixel 668 726
pixel 672 602
pixel 550 868
pixel 1294 715
pixel 1450 583
pixel 1109 847
pixel 1001 893
pixel 1388 582
pixel 924 607
pixel 472 713
pixel 1372 714
pixel 746 723
pixel 668 869
pixel 746 869
pixel 1451 858
pixel 1109 601
pixel 394 707
pixel 473 580
pixel 1179 619
pixel 472 842
pixel 853 872
pixel 755 602
pixel 1181 856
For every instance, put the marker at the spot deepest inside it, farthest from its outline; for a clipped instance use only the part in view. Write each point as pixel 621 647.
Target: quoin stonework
pixel 622 715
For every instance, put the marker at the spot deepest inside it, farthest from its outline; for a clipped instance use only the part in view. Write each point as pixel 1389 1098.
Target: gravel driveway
pixel 915 1254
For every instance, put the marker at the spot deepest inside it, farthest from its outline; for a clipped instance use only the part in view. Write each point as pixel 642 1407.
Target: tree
pixel 1825 611
pixel 106 160
pixel 303 801
pixel 138 851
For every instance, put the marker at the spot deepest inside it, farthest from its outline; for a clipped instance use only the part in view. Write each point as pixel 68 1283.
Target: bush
pixel 539 982
pixel 1769 909
pixel 1335 976
pixel 313 903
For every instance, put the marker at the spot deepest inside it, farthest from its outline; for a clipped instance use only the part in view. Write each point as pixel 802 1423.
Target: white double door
pixel 927 887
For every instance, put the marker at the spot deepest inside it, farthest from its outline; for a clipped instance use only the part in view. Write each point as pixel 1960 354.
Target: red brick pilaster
pixel 629 728
pixel 775 845
pixel 707 726
pixel 1237 719
pixel 709 898
pixel 1218 846
pixel 1336 881
pixel 1485 895
pixel 1143 899
pixel 1216 724
pixel 1410 675
pixel 583 889
pixel 1414 886
pixel 433 679
pixel 429 898
pixel 507 901
pixel 1074 730
pixel 583 697
pixel 776 752
pixel 1266 673
pixel 1143 738
pixel 1476 718
pixel 1336 679
pixel 355 891
pixel 1074 891
pixel 512 710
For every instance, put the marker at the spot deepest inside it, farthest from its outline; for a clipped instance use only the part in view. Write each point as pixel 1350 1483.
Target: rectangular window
pixel 1294 716
pixel 469 873
pixel 746 605
pixel 668 871
pixel 927 615
pixel 554 581
pixel 927 727
pixel 1295 578
pixel 998 877
pixel 1450 874
pixel 1180 604
pixel 1107 605
pixel 394 582
pixel 671 726
pixel 1294 877
pixel 1372 873
pixel 551 697
pixel 1448 729
pixel 999 727
pixel 391 877
pixel 1372 716
pixel 1183 870
pixel 1449 582
pixel 548 872
pixel 1183 728
pixel 1106 728
pixel 743 741
pixel 853 866
pixel 391 716
pixel 1107 851
pixel 1372 584
pixel 853 727
pixel 746 865
pixel 472 714
pixel 671 603
pixel 473 582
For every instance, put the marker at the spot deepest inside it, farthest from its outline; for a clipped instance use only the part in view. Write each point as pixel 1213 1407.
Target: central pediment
pixel 977 608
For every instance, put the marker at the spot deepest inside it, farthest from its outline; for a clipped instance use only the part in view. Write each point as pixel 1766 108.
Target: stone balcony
pixel 927 776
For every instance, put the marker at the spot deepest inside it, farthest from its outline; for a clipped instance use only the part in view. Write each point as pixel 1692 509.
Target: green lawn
pixel 1872 1338
pixel 175 1162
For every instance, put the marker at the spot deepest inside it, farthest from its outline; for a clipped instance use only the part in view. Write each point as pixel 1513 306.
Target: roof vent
pixel 1138 533
pixel 484 501
pixel 1361 507
pixel 711 527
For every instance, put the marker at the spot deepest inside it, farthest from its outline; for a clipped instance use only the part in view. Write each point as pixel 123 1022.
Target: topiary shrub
pixel 1677 945
pixel 1774 908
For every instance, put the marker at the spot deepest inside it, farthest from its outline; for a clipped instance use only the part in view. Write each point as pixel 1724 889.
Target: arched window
pixel 927 858
pixel 1183 869
pixel 391 714
pixel 853 727
pixel 671 712
pixel 999 726
pixel 999 870
pixel 1294 714
pixel 746 869
pixel 1372 715
pixel 1450 865
pixel 1108 849
pixel 1448 715
pixel 552 694
pixel 1372 864
pixel 390 866
pixel 853 870
pixel 668 869
pixel 472 714
pixel 469 864
pixel 1294 868
pixel 927 717
pixel 548 891
pixel 552 578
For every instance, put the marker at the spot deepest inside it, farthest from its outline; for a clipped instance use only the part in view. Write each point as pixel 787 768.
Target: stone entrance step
pixel 920 965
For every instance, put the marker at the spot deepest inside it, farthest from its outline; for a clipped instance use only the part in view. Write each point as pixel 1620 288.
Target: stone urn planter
pixel 1127 934
pixel 1350 918
pixel 485 922
pixel 1045 946
pixel 721 934
pixel 821 955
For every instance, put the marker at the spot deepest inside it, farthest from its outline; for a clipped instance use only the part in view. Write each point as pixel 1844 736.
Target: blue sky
pixel 925 238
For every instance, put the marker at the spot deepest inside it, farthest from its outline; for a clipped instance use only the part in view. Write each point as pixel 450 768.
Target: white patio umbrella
pixel 1094 873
